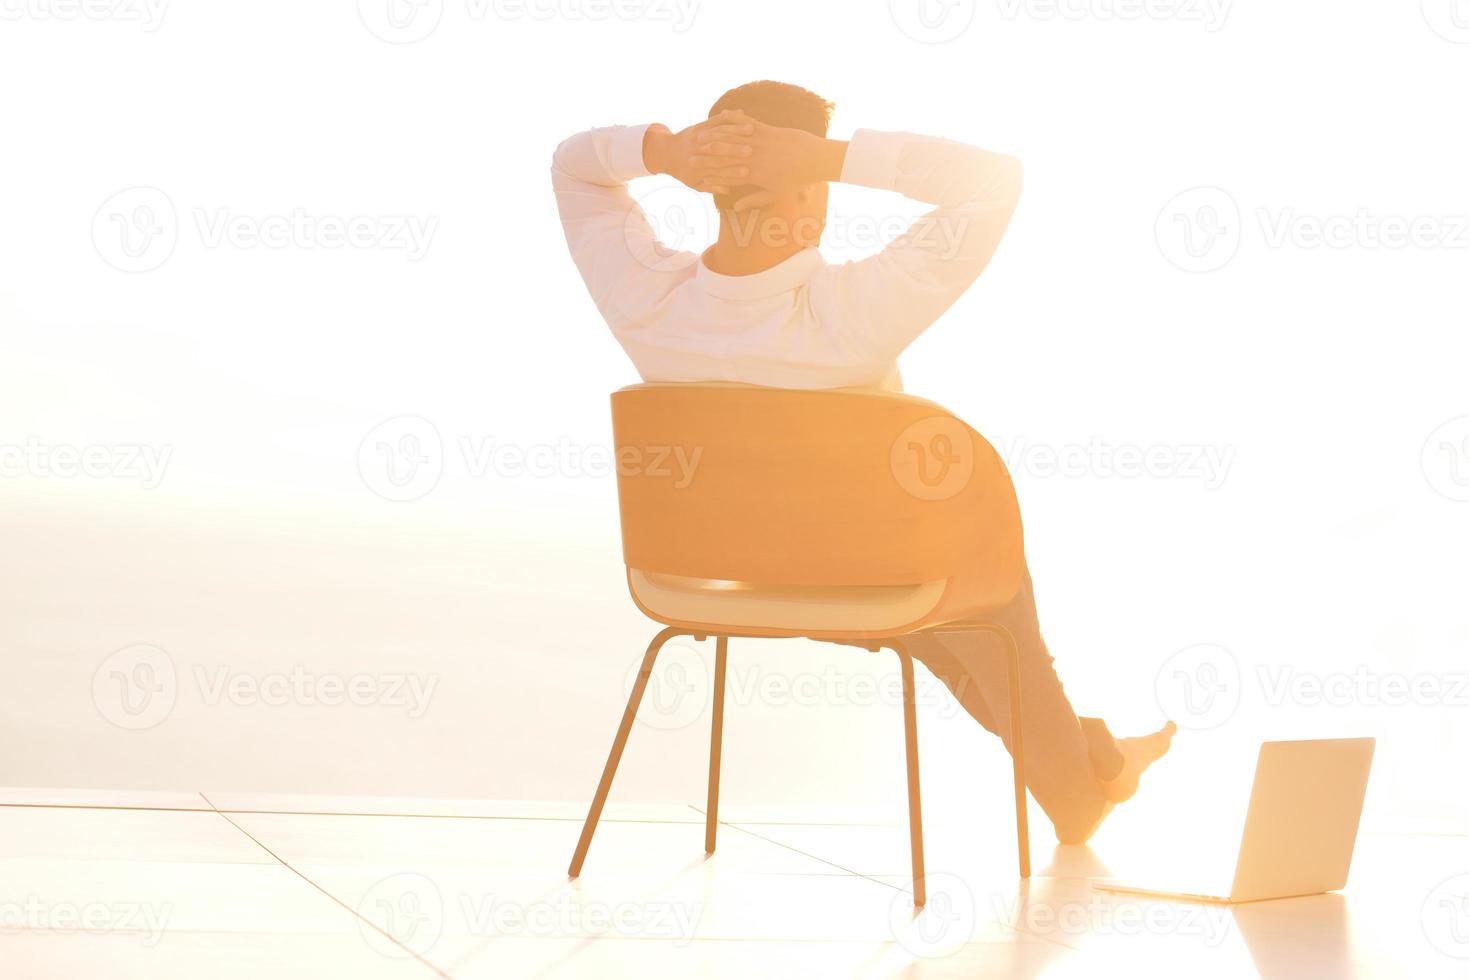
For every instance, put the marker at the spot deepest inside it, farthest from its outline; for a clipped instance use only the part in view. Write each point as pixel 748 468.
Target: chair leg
pixel 716 738
pixel 1017 753
pixel 1017 737
pixel 615 755
pixel 915 809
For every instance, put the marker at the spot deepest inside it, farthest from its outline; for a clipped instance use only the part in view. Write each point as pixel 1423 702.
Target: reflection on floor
pixel 228 885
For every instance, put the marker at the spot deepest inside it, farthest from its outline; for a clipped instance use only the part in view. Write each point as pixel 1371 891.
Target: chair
pixel 851 516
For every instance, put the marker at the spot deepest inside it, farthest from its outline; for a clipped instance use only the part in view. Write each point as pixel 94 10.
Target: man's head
pixel 802 211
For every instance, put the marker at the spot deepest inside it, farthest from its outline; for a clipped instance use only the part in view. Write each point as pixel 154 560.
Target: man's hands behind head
pixel 708 169
pixel 775 159
pixel 734 150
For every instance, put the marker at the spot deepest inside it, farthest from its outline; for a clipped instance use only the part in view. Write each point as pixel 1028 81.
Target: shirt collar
pixel 782 278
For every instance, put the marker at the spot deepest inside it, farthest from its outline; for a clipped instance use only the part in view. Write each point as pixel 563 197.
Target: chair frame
pixel 910 732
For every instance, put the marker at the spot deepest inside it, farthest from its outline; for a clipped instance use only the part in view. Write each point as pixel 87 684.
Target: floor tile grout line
pixel 571 818
pixel 797 850
pixel 107 806
pixel 341 813
pixel 906 891
pixel 425 816
pixel 350 911
pixel 441 816
pixel 874 880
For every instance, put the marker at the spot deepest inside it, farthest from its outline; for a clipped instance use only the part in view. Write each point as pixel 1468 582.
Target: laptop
pixel 1300 829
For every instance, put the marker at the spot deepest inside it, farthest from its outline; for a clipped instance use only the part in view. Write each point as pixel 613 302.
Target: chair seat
pixel 743 607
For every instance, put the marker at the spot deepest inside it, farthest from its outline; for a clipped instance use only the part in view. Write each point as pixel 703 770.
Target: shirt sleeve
pixel 879 305
pixel 626 269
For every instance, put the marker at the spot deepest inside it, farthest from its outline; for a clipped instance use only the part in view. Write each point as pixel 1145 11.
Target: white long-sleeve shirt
pixel 803 323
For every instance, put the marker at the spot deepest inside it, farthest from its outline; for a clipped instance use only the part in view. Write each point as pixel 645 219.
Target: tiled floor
pixel 233 885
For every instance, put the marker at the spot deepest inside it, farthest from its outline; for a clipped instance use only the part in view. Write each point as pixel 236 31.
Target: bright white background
pixel 1325 546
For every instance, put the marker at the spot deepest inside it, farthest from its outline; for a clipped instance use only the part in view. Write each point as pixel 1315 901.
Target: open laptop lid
pixel 1302 822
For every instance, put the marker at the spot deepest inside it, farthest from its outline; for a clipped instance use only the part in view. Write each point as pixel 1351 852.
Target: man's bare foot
pixel 1138 753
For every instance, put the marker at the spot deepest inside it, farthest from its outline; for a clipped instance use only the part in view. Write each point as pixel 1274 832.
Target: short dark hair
pixel 779 104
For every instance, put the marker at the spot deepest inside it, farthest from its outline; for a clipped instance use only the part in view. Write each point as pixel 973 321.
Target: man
pixel 762 307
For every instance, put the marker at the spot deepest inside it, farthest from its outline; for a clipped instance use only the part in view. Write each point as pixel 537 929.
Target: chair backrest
pixel 782 487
